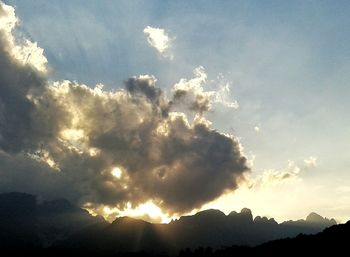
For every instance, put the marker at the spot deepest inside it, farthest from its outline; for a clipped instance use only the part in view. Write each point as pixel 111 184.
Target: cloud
pixel 146 211
pixel 22 80
pixel 292 172
pixel 159 39
pixel 191 93
pixel 26 52
pixel 65 139
pixel 310 162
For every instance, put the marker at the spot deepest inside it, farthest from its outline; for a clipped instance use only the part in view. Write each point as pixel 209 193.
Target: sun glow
pixel 147 211
pixel 144 210
pixel 117 172
pixel 72 134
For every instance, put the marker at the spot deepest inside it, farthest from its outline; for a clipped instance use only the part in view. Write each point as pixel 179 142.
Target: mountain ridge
pixel 58 224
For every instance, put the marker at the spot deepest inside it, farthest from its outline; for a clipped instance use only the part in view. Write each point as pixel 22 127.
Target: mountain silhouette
pixel 18 216
pixel 26 223
pixel 333 240
pixel 58 226
pixel 58 219
pixel 210 228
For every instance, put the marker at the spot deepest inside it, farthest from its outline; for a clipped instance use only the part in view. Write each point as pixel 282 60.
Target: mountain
pixel 59 226
pixel 210 228
pixel 18 216
pixel 58 219
pixel 27 224
pixel 331 241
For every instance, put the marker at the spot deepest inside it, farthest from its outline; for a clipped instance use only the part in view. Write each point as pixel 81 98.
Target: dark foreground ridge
pixel 58 228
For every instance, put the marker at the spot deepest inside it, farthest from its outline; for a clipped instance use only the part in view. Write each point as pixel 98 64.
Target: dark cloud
pixel 144 85
pixel 191 94
pixel 25 116
pixel 199 103
pixel 17 130
pixel 201 162
pixel 65 139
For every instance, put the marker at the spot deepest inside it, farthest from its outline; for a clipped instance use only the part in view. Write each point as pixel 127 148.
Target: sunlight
pixel 45 157
pixel 151 209
pixel 163 129
pixel 94 151
pixel 72 135
pixel 146 209
pixel 117 172
pixel 107 210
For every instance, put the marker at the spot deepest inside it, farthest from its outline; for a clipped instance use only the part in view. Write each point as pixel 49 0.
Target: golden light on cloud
pixel 147 211
pixel 117 172
pixel 72 134
pixel 94 151
pixel 162 129
pixel 51 162
pixel 44 156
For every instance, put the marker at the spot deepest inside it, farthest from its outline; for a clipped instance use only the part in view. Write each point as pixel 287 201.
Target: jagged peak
pixel 129 220
pixel 314 217
pixel 259 219
pixel 210 212
pixel 232 213
pixel 246 211
pixel 244 216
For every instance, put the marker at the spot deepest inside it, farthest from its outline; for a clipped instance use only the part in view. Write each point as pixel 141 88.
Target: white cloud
pixel 311 161
pixel 222 96
pixel 193 94
pixel 159 39
pixel 291 173
pixel 26 52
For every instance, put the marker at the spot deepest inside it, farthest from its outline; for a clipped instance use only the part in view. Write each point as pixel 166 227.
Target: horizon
pixel 61 202
pixel 144 217
pixel 30 225
pixel 165 109
pixel 226 214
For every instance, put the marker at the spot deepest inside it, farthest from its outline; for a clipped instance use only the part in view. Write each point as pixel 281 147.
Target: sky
pixel 248 101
